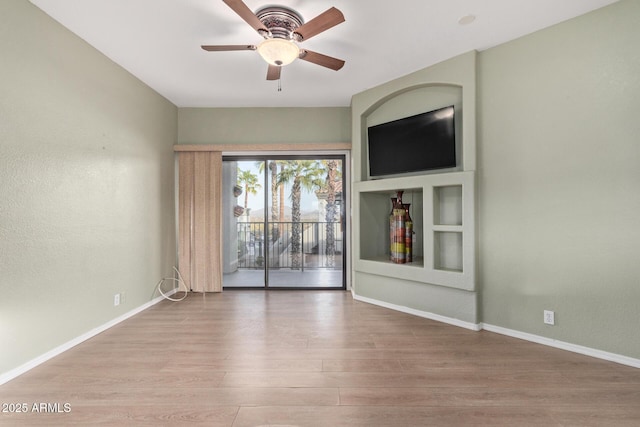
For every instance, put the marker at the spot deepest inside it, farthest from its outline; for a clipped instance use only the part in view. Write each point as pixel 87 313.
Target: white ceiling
pixel 159 41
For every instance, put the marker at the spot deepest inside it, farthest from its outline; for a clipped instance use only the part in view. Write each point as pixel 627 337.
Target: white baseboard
pixel 420 313
pixel 8 376
pixel 587 351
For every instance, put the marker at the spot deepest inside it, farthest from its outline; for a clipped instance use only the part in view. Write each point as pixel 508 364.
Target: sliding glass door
pixel 284 222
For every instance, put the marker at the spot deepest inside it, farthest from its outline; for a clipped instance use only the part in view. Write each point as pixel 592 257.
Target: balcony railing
pixel 290 245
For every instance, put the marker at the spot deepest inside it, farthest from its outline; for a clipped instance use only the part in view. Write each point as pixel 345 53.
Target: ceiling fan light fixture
pixel 279 52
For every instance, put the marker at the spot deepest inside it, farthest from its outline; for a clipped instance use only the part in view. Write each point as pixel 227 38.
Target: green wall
pixel 264 125
pixel 87 174
pixel 558 164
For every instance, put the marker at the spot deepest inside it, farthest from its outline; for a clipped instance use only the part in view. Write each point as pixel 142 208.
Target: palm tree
pixel 276 208
pixel 273 168
pixel 249 181
pixel 304 174
pixel 281 192
pixel 333 174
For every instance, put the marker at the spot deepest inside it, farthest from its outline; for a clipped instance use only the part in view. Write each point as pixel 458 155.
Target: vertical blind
pixel 200 220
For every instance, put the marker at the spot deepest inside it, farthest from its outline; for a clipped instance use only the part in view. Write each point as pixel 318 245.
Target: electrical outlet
pixel 549 317
pixel 116 300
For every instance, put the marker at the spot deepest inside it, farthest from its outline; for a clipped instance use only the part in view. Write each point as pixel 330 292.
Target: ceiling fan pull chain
pixel 280 85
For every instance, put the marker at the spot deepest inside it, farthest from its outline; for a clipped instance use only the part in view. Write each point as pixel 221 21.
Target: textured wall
pixel 87 186
pixel 264 125
pixel 558 181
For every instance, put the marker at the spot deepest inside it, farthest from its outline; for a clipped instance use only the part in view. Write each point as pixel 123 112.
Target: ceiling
pixel 159 41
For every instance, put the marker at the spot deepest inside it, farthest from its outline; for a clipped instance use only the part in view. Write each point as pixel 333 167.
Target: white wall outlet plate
pixel 549 317
pixel 116 300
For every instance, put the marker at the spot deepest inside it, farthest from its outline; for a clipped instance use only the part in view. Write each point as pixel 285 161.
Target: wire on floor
pixel 180 284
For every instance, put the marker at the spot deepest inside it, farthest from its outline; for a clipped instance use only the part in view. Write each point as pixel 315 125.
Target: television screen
pixel 418 143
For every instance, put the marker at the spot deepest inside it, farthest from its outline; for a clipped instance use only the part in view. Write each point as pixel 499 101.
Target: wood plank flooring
pixel 316 358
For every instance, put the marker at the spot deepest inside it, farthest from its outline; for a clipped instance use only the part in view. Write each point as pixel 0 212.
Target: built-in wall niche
pixel 447 204
pixel 443 282
pixel 444 244
pixel 410 103
pixel 375 209
pixel 447 228
pixel 447 251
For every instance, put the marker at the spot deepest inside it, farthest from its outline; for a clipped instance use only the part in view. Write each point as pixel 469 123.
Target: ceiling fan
pixel 282 29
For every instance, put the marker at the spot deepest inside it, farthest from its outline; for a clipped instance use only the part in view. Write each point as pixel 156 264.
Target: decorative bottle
pixel 392 224
pixel 398 253
pixel 408 233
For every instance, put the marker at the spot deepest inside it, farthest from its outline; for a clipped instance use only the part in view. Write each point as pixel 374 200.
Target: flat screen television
pixel 423 142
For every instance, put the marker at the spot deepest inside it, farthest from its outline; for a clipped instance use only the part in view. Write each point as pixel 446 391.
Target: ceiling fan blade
pixel 320 59
pixel 324 21
pixel 228 47
pixel 273 73
pixel 245 13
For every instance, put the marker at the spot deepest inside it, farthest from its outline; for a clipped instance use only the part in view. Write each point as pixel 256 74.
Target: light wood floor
pixel 317 358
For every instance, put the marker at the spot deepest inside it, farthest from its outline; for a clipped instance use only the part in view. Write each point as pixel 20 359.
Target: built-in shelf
pixel 447 251
pixel 447 228
pixel 447 205
pixel 374 231
pixel 442 210
pixel 418 262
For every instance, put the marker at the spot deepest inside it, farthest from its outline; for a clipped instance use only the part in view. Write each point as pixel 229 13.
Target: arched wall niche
pixel 415 100
pixel 410 99
pixel 452 82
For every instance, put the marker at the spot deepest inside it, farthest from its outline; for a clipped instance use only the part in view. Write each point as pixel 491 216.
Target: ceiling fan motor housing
pixel 281 22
